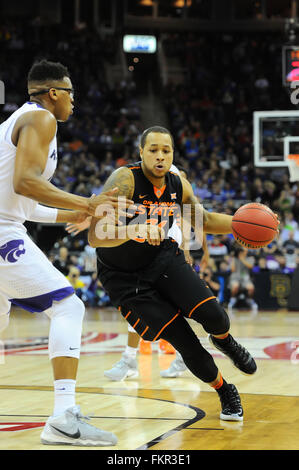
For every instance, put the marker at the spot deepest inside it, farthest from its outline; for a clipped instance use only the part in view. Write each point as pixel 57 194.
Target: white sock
pixel 64 395
pixel 131 351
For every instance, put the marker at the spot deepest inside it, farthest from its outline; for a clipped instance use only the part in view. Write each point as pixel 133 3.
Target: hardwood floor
pixel 151 412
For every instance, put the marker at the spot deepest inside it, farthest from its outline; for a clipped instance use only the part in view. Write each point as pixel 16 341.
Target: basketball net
pixel 293 164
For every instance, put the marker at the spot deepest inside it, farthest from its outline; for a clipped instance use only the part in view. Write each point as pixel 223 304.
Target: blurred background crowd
pixel 209 111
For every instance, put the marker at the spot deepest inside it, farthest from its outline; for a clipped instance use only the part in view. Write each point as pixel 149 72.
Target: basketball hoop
pixel 293 164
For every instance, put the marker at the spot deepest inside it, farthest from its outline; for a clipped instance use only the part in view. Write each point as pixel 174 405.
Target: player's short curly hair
pixel 159 130
pixel 45 70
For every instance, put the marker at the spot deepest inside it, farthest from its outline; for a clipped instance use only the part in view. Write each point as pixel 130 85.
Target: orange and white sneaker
pixel 166 347
pixel 145 347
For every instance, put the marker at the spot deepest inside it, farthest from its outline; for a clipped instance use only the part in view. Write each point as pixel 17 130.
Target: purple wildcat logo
pixel 12 250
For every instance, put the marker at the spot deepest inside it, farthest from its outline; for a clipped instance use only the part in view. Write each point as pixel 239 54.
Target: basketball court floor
pixel 151 412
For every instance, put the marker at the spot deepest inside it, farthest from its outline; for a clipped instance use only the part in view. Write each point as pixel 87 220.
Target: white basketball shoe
pixel 70 429
pixel 124 369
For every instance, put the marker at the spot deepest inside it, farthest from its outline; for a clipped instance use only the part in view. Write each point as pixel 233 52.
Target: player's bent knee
pixel 71 306
pixel 78 305
pixel 213 317
pixel 66 327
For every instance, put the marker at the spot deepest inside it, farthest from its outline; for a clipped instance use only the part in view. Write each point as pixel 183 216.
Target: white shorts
pixel 27 278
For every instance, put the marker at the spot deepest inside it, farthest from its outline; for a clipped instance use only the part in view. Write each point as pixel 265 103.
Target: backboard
pixel 275 138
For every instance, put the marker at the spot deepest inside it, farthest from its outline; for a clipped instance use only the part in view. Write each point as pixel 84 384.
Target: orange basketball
pixel 254 225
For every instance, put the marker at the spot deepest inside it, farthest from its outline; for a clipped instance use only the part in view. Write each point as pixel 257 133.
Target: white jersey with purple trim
pixel 15 208
pixel 27 278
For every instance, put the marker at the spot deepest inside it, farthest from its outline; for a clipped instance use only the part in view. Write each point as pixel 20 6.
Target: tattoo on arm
pixel 123 179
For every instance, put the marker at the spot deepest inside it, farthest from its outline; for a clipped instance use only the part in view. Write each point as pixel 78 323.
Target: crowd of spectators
pixel 210 115
pixel 227 78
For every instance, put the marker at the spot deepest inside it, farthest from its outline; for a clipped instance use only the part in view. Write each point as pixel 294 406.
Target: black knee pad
pixel 212 317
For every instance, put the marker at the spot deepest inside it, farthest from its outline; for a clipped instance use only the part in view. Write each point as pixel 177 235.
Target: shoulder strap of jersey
pixel 134 166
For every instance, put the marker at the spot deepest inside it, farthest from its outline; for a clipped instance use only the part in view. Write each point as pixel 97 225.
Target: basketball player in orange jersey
pixel 127 367
pixel 28 158
pixel 147 277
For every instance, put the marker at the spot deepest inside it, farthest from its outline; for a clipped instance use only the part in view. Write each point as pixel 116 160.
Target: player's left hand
pixel 82 222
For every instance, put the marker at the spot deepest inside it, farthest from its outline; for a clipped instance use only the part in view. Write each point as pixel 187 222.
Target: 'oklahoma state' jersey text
pixel 158 206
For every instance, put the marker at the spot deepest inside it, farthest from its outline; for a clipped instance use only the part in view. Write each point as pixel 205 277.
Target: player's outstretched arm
pixel 50 215
pixel 35 132
pixel 217 223
pixel 202 220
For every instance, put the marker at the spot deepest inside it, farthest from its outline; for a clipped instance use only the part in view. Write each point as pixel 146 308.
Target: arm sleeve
pixel 44 214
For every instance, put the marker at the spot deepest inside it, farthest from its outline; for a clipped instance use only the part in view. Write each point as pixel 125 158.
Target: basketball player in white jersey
pixel 28 158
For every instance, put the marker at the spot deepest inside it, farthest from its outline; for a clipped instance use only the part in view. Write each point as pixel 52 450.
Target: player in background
pixel 28 158
pixel 240 279
pixel 146 275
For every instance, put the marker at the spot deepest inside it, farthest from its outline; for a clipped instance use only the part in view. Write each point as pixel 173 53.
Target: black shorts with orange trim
pixel 150 306
pixel 183 287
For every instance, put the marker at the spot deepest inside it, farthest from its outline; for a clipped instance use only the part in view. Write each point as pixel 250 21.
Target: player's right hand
pixel 153 234
pixel 109 202
pixel 141 233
